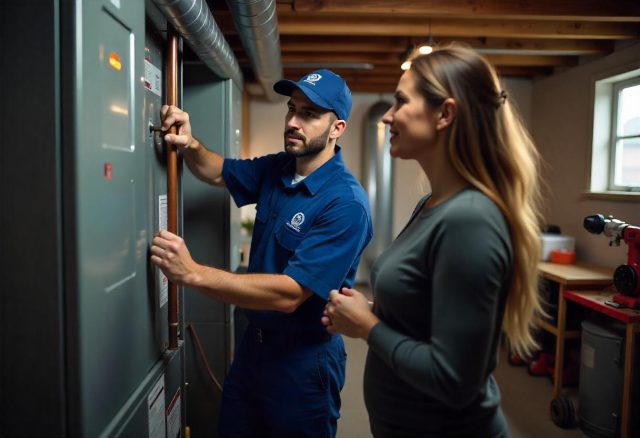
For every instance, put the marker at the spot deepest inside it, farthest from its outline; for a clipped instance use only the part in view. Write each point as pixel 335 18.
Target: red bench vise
pixel 626 278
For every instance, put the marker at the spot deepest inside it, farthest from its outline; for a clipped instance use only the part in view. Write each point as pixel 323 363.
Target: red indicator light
pixel 108 171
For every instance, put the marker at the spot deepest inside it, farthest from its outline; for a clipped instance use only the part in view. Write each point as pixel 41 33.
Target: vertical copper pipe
pixel 172 176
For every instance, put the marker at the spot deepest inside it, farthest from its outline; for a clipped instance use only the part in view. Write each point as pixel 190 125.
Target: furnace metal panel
pixel 83 320
pixel 115 331
pixel 144 413
pixel 156 170
pixel 234 96
pixel 206 208
pixel 212 113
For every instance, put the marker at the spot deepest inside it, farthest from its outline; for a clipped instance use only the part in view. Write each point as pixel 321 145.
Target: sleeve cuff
pixel 312 283
pixel 230 184
pixel 382 340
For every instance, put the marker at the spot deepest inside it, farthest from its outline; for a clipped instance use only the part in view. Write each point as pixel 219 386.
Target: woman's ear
pixel 447 114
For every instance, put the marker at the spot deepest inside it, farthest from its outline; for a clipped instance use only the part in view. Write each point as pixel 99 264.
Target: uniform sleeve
pixel 331 247
pixel 243 178
pixel 470 263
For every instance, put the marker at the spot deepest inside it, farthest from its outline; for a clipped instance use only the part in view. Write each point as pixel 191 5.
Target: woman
pixel 464 267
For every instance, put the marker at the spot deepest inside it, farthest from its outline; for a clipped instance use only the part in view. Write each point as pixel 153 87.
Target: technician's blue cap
pixel 322 87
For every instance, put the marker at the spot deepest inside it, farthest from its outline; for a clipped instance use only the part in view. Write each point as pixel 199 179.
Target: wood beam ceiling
pixel 366 40
pixel 571 10
pixel 305 43
pixel 374 25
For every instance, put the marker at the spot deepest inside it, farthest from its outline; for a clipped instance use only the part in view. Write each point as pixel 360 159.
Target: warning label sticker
pixel 152 78
pixel 156 408
pixel 163 281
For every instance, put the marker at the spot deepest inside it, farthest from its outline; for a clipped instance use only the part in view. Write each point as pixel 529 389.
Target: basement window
pixel 615 158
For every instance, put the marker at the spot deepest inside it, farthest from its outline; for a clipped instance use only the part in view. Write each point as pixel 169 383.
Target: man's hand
pixel 170 254
pixel 172 115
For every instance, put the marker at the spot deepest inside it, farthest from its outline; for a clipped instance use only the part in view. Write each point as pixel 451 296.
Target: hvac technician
pixel 312 224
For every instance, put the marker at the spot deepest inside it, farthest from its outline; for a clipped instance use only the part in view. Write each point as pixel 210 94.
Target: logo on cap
pixel 313 78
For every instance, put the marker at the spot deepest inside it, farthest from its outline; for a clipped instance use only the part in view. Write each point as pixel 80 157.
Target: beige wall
pixel 562 109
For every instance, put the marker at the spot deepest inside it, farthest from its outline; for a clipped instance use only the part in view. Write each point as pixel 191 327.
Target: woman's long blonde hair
pixel 492 150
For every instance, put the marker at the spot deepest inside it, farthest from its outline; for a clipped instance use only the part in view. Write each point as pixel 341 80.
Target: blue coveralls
pixel 287 374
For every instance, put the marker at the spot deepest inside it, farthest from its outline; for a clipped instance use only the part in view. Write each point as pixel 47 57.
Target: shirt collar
pixel 314 181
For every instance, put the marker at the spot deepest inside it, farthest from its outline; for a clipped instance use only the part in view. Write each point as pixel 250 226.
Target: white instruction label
pixel 163 281
pixel 152 78
pixel 155 405
pixel 173 416
pixel 587 355
pixel 116 3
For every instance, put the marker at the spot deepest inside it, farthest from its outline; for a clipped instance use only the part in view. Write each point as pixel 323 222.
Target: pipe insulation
pixel 195 23
pixel 257 24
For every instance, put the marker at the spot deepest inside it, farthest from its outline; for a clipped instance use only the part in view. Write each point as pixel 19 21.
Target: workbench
pixel 578 276
pixel 595 300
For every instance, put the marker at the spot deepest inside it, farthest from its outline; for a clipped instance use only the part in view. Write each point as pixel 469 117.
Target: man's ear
pixel 447 115
pixel 337 128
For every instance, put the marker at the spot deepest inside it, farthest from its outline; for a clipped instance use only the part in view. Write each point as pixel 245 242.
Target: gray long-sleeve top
pixel 439 291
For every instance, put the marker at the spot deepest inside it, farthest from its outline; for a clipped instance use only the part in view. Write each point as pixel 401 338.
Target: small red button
pixel 108 171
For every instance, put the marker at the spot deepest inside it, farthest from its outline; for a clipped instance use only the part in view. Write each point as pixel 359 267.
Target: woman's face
pixel 412 123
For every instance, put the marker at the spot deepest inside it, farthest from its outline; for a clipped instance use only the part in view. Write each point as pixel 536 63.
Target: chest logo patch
pixel 296 221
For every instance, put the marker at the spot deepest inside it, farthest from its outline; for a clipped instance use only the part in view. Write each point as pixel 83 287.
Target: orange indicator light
pixel 114 61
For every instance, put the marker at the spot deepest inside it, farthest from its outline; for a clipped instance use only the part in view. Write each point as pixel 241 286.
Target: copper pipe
pixel 172 175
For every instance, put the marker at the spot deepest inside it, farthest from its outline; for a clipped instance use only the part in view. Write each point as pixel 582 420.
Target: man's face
pixel 307 126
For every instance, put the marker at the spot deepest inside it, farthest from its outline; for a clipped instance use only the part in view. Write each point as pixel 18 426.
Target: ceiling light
pixel 411 51
pixel 425 49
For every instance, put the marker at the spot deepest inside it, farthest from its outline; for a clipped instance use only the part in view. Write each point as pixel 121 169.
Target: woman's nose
pixel 387 118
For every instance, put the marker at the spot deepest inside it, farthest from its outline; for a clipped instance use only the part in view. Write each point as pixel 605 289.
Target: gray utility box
pixel 83 313
pixel 602 379
pixel 211 226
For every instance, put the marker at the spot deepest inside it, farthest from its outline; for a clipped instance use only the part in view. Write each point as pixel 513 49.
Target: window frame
pixel 614 138
pixel 601 101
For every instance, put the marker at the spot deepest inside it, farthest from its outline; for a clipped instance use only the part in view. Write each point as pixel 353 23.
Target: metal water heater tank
pixel 602 378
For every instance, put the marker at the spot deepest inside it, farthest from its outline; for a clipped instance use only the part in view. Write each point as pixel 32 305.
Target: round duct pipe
pixel 378 182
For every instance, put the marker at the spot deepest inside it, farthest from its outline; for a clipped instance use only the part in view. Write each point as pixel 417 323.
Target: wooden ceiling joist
pixel 399 44
pixel 585 10
pixel 366 40
pixel 293 24
pixel 386 59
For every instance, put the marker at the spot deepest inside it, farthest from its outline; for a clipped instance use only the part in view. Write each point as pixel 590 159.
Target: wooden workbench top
pixel 579 273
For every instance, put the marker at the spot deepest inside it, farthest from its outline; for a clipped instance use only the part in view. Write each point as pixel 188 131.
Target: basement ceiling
pixel 365 41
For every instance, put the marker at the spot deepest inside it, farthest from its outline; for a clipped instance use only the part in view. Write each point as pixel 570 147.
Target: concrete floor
pixel 525 399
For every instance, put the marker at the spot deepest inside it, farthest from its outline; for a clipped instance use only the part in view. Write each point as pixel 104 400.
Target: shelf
pixel 547 326
pixel 576 275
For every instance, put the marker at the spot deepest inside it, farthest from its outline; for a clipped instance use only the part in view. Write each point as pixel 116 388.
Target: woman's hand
pixel 349 313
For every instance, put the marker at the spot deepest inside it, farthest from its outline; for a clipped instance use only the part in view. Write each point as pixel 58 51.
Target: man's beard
pixel 308 148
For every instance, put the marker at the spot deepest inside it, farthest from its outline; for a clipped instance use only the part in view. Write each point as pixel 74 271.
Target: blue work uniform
pixel 288 371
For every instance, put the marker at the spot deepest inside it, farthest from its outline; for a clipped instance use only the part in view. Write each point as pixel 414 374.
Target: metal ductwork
pixel 377 179
pixel 195 23
pixel 257 25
